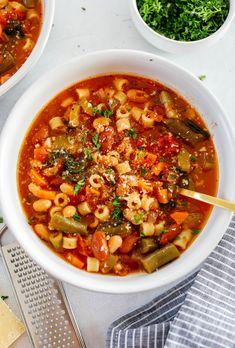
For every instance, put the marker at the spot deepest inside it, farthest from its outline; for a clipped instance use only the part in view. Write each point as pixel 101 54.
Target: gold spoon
pixel 222 203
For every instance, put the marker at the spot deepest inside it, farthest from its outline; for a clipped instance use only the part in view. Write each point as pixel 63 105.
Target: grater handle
pixel 19 291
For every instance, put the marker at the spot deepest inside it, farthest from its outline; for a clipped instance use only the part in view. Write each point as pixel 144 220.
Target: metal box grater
pixel 45 308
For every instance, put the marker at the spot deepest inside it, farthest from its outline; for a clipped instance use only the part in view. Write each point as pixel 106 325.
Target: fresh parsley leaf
pixel 142 171
pixel 140 152
pixel 196 232
pixel 183 204
pixel 4 298
pixel 1 219
pixel 142 234
pixel 78 186
pixel 202 77
pixel 77 217
pixel 177 238
pixel 132 133
pixel 193 158
pixel 95 140
pixel 138 217
pixel 105 113
pixel 116 202
pixel 165 230
pixel 116 214
pixel 87 154
pixel 30 220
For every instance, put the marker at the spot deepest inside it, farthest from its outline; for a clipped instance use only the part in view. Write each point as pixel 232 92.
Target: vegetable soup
pixel 100 168
pixel 20 24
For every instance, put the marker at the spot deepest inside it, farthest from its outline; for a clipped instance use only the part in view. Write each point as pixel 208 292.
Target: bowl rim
pixel 221 29
pixel 44 257
pixel 48 10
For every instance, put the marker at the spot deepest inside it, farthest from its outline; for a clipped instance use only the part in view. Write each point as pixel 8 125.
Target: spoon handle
pixel 208 199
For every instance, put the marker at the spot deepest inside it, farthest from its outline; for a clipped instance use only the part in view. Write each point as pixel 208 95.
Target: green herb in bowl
pixel 184 20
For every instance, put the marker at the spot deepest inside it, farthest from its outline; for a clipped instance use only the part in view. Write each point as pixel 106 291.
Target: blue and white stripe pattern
pixel 197 313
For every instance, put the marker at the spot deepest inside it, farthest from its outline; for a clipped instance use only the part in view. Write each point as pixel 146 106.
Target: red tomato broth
pixel 147 146
pixel 20 27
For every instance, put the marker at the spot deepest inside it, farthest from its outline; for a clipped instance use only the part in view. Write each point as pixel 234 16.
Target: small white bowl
pixel 115 61
pixel 175 46
pixel 48 9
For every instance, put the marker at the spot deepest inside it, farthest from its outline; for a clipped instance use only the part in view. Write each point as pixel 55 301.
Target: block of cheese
pixel 11 327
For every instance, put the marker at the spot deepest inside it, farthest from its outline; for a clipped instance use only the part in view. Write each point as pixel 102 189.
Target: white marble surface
pixel 107 24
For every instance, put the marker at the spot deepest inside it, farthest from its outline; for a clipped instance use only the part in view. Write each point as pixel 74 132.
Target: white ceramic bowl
pixel 48 15
pixel 122 61
pixel 175 46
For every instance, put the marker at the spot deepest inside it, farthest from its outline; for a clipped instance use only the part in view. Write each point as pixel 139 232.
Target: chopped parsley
pixel 140 152
pixel 30 220
pixel 95 140
pixel 177 238
pixel 196 232
pixel 87 154
pixel 142 171
pixel 202 77
pixel 132 133
pixel 83 140
pixel 165 230
pixel 78 186
pixel 193 158
pixel 138 217
pixel 77 217
pixel 1 219
pixel 183 204
pixel 4 298
pixel 142 234
pixel 105 113
pixel 184 20
pixel 116 214
pixel 116 202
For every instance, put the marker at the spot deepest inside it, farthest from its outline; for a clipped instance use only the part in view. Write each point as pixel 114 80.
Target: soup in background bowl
pixel 99 171
pixel 24 29
pixel 180 98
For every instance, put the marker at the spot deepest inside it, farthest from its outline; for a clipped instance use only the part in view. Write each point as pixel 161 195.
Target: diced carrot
pixel 179 216
pixel 92 190
pixel 146 158
pixel 40 153
pixel 37 178
pixel 145 185
pixel 158 168
pixel 162 196
pixel 75 261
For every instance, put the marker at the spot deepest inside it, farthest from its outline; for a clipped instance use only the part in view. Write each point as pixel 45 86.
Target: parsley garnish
pixel 183 204
pixel 77 217
pixel 202 77
pixel 78 186
pixel 140 152
pixel 1 219
pixel 142 171
pixel 4 298
pixel 177 238
pixel 165 230
pixel 138 217
pixel 105 113
pixel 184 20
pixel 30 220
pixel 132 133
pixel 116 214
pixel 116 202
pixel 193 158
pixel 83 140
pixel 195 232
pixel 87 154
pixel 142 234
pixel 95 140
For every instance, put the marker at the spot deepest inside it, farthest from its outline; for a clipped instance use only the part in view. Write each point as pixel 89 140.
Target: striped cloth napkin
pixel 198 312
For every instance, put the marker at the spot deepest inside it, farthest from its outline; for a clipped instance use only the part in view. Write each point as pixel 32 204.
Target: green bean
pixel 168 103
pixel 56 239
pixel 109 263
pixel 147 245
pixel 8 62
pixel 159 258
pixel 68 225
pixel 113 228
pixel 184 161
pixel 178 127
